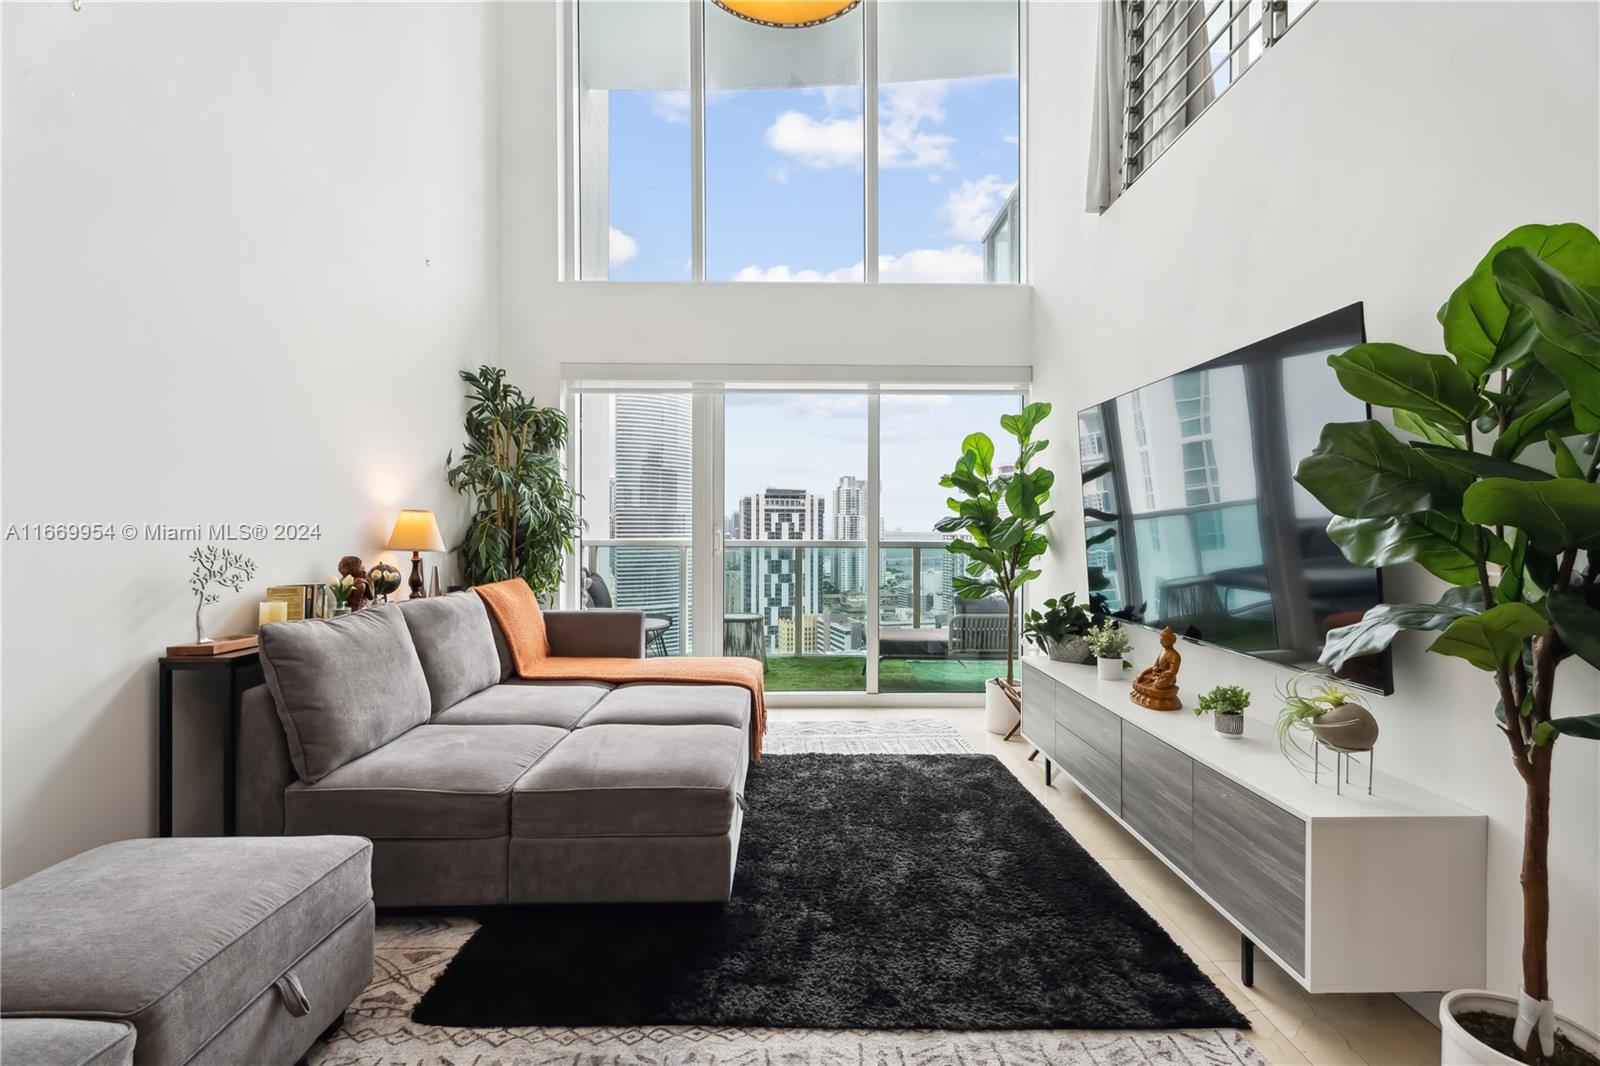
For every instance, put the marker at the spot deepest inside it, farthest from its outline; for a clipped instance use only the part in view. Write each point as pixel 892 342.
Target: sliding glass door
pixel 798 525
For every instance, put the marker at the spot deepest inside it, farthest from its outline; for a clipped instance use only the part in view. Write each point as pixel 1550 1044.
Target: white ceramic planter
pixel 1457 1047
pixel 1109 669
pixel 998 715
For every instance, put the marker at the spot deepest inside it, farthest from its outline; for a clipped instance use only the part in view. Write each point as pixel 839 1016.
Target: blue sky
pixel 811 440
pixel 784 196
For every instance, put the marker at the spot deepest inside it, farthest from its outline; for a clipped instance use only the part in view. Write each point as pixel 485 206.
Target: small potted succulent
pixel 1315 704
pixel 1060 630
pixel 1109 644
pixel 1225 704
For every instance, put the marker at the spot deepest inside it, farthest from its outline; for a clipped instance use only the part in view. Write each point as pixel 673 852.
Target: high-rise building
pixel 848 574
pixel 780 584
pixel 641 444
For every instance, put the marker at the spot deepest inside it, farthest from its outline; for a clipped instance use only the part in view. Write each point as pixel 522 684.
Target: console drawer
pixel 1158 795
pixel 1089 768
pixel 1250 856
pixel 1038 708
pixel 1099 727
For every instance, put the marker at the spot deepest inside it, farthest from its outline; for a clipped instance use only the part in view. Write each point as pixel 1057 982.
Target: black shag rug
pixel 872 892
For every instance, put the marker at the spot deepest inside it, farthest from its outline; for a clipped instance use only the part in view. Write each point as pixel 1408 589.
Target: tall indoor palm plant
pixel 1000 517
pixel 526 515
pixel 1489 493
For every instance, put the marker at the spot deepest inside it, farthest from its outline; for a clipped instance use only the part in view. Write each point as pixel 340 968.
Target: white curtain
pixel 1110 89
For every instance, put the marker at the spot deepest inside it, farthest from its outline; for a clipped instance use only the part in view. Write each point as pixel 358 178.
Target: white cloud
pixel 818 143
pixel 972 207
pixel 671 105
pixel 621 247
pixel 780 173
pixel 957 263
pixel 953 264
pixel 902 142
pixel 835 140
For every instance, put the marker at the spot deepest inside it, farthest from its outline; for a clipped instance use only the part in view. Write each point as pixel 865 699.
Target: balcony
pixel 802 607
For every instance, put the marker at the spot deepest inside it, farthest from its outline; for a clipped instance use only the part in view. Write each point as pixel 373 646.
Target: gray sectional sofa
pixel 403 724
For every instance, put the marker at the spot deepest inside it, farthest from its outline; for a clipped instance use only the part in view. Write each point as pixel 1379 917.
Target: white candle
pixel 272 611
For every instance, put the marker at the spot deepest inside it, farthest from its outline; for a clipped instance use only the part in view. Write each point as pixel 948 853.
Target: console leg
pixel 1047 772
pixel 1247 961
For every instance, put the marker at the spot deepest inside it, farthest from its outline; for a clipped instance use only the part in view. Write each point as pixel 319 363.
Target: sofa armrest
pixel 599 633
pixel 264 766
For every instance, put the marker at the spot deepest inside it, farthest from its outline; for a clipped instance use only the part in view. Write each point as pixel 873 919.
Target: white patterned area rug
pixel 413 948
pixel 885 736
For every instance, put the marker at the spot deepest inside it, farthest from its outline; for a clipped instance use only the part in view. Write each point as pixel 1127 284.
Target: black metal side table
pixel 242 670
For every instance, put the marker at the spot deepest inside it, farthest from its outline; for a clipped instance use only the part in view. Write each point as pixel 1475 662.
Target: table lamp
pixel 415 531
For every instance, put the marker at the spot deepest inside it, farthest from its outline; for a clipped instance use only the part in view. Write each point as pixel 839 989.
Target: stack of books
pixel 305 601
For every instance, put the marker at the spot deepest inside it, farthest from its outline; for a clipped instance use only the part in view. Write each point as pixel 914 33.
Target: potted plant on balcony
pixel 999 523
pixel 1109 644
pixel 1489 495
pixel 1059 630
pixel 525 514
pixel 1225 704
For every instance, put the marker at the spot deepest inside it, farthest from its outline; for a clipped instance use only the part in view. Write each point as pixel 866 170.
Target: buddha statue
pixel 1156 687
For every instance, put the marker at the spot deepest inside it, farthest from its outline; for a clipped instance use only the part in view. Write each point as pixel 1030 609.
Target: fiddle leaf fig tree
pixel 1497 496
pixel 1000 517
pixel 526 515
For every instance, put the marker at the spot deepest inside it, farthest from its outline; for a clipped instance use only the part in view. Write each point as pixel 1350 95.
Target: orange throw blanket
pixel 516 610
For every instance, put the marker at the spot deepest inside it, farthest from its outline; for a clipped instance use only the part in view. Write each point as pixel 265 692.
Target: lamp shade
pixel 416 531
pixel 788 14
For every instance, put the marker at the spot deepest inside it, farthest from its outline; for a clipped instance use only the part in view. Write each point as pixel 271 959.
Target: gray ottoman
pixel 65 1042
pixel 214 950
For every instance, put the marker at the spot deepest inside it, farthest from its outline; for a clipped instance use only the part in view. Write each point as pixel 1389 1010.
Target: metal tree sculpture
pixel 216 566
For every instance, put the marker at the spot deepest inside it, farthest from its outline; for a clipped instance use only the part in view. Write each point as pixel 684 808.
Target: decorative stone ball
pixel 1349 726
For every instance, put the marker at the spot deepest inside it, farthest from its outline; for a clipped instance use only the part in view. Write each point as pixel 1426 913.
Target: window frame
pixel 570 246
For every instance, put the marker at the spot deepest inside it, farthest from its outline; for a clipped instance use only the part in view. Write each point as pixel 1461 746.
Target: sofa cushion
pixel 557 703
pixel 646 704
pixel 174 936
pixel 65 1042
pixel 632 780
pixel 343 687
pixel 436 782
pixel 455 643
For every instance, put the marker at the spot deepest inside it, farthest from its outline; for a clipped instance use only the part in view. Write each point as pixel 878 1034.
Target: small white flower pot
pixel 999 717
pixel 1457 1047
pixel 1109 669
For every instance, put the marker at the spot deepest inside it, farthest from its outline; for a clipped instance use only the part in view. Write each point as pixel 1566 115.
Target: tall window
pixel 682 103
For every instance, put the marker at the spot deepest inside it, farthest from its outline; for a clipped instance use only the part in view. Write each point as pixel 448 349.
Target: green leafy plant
pixel 526 515
pixel 341 590
pixel 1223 699
pixel 1306 697
pixel 1061 618
pixel 1491 496
pixel 1108 641
pixel 1000 517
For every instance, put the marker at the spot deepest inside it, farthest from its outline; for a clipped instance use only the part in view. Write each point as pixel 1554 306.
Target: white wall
pixel 545 321
pixel 1373 155
pixel 246 248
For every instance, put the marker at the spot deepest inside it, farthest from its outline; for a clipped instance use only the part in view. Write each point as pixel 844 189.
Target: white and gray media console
pixel 1348 893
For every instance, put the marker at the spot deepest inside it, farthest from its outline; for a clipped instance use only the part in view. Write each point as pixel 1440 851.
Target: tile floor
pixel 1289 1024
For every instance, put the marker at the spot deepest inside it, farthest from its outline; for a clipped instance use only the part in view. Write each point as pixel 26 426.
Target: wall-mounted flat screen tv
pixel 1195 520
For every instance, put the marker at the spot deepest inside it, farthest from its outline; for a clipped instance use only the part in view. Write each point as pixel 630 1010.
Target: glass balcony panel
pixel 802 609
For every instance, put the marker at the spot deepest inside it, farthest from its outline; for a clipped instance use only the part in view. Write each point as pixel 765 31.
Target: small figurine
pixel 1156 687
pixel 360 588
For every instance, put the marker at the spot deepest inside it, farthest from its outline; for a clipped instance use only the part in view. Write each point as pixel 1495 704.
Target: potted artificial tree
pixel 999 521
pixel 1489 492
pixel 1060 630
pixel 525 515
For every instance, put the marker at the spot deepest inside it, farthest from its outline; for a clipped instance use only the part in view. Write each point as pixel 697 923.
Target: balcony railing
pixel 796 598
